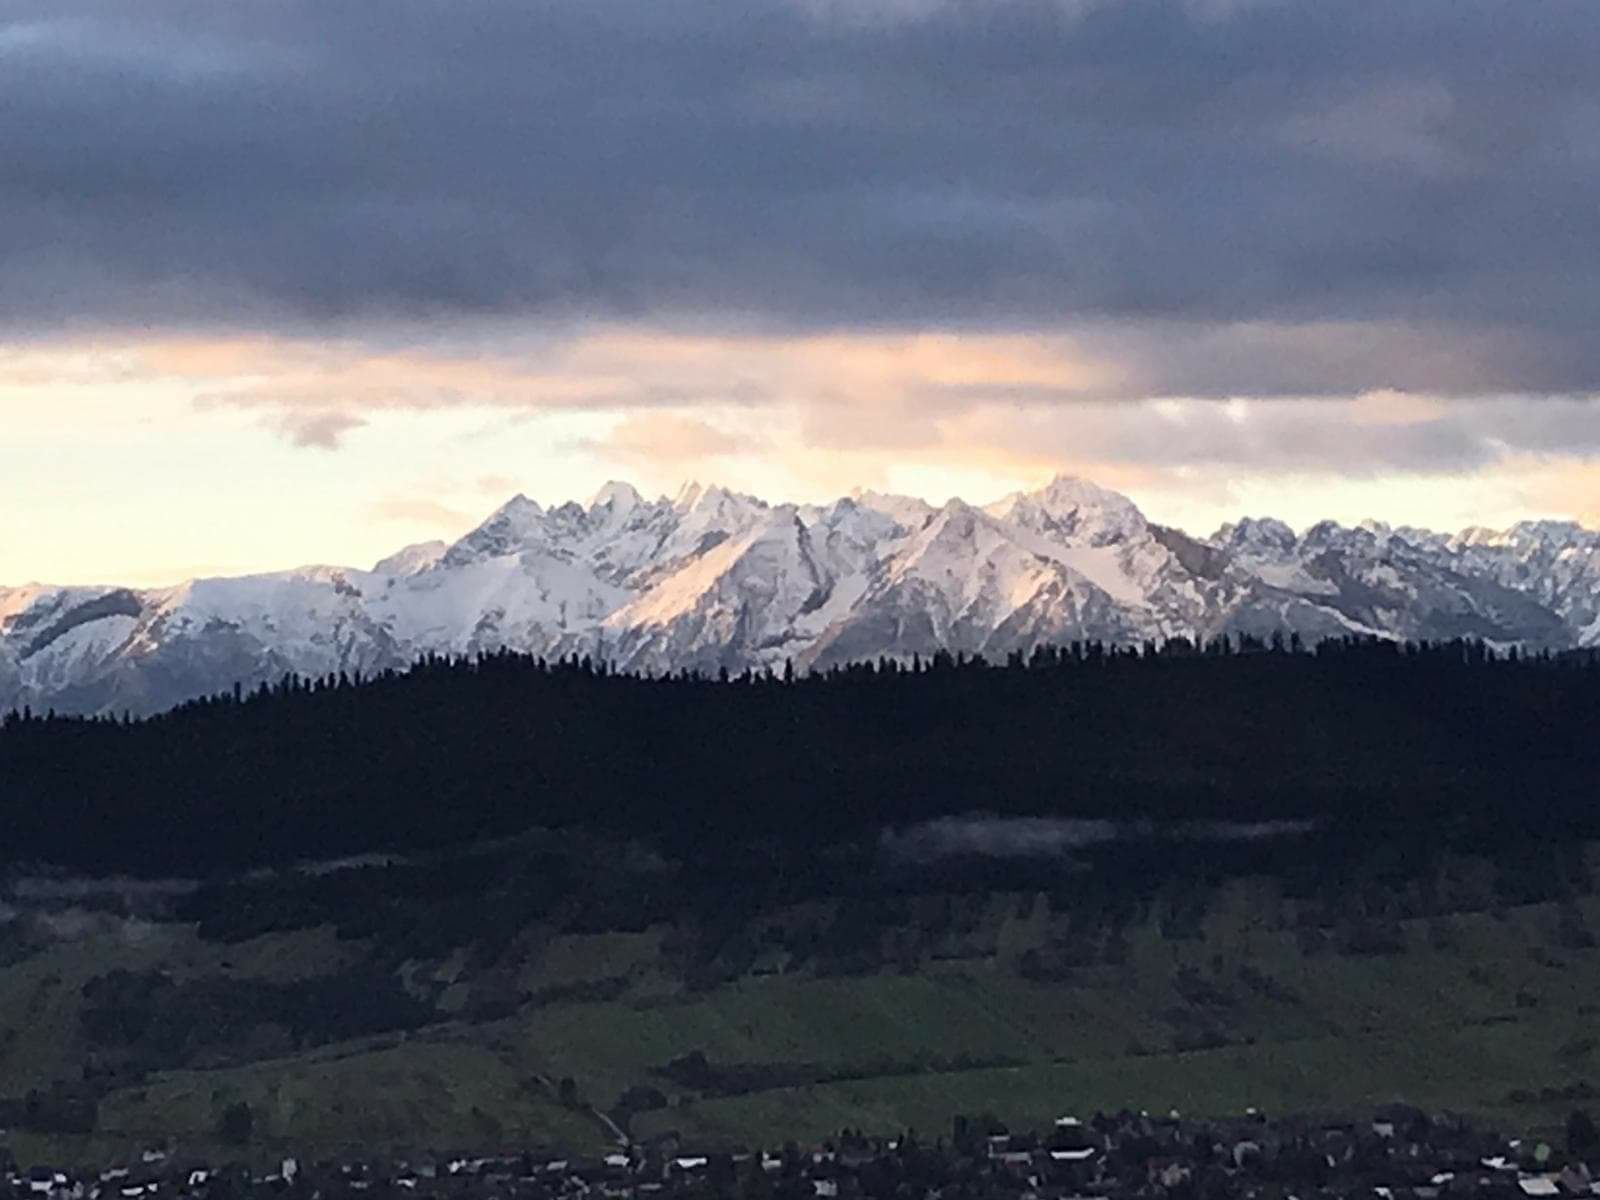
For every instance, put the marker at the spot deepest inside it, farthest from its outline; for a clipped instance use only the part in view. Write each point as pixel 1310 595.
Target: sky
pixel 308 280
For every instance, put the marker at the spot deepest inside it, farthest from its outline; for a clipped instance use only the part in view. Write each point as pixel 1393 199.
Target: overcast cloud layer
pixel 1242 198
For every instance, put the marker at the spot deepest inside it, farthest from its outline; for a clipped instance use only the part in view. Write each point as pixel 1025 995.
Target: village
pixel 1394 1153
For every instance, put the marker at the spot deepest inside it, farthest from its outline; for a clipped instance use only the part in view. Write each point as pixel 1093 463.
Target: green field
pixel 1480 1013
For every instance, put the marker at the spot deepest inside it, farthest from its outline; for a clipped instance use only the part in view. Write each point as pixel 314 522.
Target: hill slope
pixel 1419 745
pixel 576 902
pixel 1264 1001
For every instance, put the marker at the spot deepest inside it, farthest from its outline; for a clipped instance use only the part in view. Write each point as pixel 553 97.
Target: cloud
pixel 665 405
pixel 663 439
pixel 316 430
pixel 921 374
pixel 984 835
pixel 1361 437
pixel 1292 198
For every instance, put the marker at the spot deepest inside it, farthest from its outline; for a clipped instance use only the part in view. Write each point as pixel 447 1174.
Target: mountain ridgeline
pixel 784 780
pixel 711 579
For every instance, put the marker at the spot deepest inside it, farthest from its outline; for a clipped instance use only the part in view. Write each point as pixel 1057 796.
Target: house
pixel 1073 1156
pixel 43 1181
pixel 1576 1179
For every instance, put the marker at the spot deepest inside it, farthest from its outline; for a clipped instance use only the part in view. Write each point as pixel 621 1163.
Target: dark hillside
pixel 1426 744
pixel 756 909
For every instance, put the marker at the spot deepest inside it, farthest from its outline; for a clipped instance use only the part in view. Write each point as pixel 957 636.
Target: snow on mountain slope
pixel 1555 562
pixel 733 605
pixel 711 578
pixel 1374 580
pixel 412 559
pixel 906 511
pixel 1068 562
pixel 1073 510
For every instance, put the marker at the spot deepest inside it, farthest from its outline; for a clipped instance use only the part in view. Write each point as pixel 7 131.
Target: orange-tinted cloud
pixel 661 438
pixel 635 369
pixel 828 412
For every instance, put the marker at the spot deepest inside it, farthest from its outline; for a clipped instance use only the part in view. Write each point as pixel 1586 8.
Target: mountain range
pixel 712 578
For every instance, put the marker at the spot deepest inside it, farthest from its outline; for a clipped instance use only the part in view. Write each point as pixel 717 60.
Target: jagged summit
pixel 507 529
pixel 1074 491
pixel 518 508
pixel 1074 509
pixel 714 578
pixel 1257 535
pixel 1061 492
pixel 412 559
pixel 617 497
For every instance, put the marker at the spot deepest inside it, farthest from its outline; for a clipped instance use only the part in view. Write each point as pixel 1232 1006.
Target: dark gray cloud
pixel 1375 436
pixel 1262 180
pixel 1349 438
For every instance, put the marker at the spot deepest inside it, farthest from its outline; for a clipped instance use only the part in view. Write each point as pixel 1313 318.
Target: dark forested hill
pixel 1371 741
pixel 756 909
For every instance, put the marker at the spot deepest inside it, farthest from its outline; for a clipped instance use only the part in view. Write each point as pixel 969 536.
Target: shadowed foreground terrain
pixel 1432 743
pixel 1270 900
pixel 127 1030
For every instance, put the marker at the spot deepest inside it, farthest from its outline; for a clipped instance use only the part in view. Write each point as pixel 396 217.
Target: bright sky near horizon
pixel 142 484
pixel 283 285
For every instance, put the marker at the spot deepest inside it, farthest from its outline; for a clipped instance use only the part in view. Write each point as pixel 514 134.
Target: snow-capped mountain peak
pixel 714 578
pixel 909 511
pixel 1260 537
pixel 412 559
pixel 1075 510
pixel 617 499
pixel 518 509
pixel 508 530
pixel 1070 493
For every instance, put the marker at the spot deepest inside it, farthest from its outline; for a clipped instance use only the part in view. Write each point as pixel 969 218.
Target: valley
pixel 1488 1013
